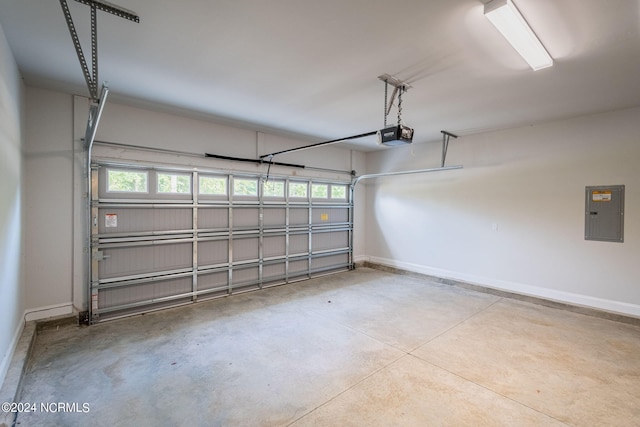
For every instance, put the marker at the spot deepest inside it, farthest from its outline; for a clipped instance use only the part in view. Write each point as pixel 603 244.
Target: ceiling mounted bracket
pixel 445 145
pixel 91 77
pixel 399 87
pixel 112 9
pixel 399 134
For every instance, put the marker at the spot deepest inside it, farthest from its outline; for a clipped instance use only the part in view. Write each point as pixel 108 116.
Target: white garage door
pixel 164 237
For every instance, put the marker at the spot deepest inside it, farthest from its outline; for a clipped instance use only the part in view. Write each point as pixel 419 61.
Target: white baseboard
pixel 8 356
pixel 48 311
pixel 360 258
pixel 613 306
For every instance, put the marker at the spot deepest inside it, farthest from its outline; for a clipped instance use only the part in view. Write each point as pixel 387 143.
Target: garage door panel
pixel 132 220
pixel 213 280
pixel 114 220
pixel 137 309
pixel 246 249
pixel 298 216
pixel 213 252
pixel 245 277
pixel 246 217
pixel 209 218
pixel 330 215
pixel 298 244
pixel 273 272
pixel 330 240
pixel 137 260
pixel 339 261
pixel 274 246
pixel 298 266
pixel 274 217
pixel 114 297
pixel 167 219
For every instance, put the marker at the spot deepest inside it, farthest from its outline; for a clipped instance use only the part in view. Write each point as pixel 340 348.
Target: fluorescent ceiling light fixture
pixel 508 20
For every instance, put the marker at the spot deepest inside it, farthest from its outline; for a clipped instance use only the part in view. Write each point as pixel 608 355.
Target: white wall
pixel 513 218
pixel 11 196
pixel 130 125
pixel 48 202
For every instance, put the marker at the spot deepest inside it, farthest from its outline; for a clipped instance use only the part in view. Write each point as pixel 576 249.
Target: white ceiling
pixel 310 68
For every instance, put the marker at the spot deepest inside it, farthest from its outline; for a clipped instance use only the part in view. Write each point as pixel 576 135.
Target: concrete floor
pixel 361 348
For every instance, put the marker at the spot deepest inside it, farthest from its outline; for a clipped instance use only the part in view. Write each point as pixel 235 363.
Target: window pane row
pixel 134 181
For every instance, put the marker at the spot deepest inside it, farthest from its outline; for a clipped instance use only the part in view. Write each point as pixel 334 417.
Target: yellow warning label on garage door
pixel 601 196
pixel 324 217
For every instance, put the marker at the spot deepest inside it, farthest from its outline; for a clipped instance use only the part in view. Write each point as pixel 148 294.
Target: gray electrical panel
pixel 604 213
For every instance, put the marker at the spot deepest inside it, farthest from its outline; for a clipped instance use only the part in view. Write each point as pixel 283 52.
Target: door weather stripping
pixel 91 77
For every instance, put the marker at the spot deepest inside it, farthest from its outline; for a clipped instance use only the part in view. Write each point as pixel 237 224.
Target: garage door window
pixel 245 187
pixel 213 185
pixel 127 181
pixel 273 189
pixel 320 191
pixel 174 183
pixel 339 192
pixel 298 189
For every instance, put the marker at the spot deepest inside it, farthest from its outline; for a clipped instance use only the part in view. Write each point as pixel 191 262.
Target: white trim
pixel 8 356
pixel 518 288
pixel 48 311
pixel 361 258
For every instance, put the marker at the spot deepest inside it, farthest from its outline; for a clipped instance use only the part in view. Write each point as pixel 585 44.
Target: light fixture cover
pixel 508 20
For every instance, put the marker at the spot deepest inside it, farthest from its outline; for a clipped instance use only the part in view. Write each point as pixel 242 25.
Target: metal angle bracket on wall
pixel 91 77
pixel 445 145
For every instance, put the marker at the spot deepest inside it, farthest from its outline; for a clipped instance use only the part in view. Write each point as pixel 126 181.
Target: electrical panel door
pixel 604 213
